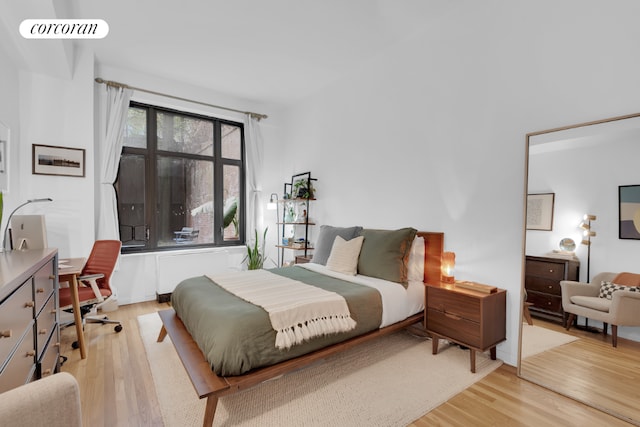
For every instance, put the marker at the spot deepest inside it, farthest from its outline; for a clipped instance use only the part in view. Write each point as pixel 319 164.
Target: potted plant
pixel 303 189
pixel 255 253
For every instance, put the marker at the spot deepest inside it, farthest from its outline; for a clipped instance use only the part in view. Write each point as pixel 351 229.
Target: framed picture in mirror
pixel 540 211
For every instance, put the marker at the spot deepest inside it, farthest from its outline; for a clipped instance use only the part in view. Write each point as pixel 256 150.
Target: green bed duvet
pixel 236 336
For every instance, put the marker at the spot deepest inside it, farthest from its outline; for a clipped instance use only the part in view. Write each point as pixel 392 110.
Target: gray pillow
pixel 385 254
pixel 325 240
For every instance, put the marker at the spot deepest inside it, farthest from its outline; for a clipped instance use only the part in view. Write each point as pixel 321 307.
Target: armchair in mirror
pixel 588 168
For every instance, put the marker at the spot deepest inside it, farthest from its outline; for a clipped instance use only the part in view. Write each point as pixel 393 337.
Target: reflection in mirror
pixel 4 158
pixel 583 166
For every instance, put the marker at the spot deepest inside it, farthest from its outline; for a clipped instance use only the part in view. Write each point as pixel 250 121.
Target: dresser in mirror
pixel 583 166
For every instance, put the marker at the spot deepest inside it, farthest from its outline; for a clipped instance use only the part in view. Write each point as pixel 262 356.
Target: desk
pixel 68 271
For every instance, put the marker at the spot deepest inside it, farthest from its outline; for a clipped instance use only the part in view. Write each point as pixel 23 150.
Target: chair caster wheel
pixel 118 328
pixel 75 345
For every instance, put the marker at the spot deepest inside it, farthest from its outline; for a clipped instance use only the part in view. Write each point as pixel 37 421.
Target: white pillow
pixel 416 260
pixel 344 255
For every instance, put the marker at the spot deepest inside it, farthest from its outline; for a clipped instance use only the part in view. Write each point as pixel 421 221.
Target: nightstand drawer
pixel 454 303
pixel 455 327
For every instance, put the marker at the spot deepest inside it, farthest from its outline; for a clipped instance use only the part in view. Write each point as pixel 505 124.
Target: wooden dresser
pixel 29 328
pixel 542 282
pixel 470 318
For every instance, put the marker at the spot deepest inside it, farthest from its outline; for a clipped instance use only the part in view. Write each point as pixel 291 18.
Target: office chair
pixel 93 284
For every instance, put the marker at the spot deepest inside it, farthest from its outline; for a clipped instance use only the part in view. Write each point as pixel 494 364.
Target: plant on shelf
pixel 255 253
pixel 303 189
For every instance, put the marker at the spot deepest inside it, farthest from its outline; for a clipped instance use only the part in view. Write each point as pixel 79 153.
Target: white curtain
pixel 254 165
pixel 115 107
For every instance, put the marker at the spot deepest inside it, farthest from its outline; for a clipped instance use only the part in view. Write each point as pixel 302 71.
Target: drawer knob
pixel 550 287
pixel 29 304
pixel 46 372
pixel 551 270
pixel 5 334
pixel 42 331
pixel 40 291
pixel 31 353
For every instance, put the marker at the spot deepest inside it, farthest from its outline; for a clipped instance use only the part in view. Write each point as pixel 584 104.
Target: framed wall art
pixel 629 208
pixel 53 160
pixel 540 211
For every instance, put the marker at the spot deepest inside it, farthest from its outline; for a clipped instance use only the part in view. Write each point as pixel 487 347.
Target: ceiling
pixel 275 51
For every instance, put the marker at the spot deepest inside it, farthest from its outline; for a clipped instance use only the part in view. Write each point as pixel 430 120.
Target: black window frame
pixel 151 154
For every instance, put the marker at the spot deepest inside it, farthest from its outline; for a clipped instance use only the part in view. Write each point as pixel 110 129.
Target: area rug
pixel 536 339
pixel 390 381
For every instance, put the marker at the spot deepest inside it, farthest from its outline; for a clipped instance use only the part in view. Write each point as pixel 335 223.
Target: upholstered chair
pixel 599 300
pixel 53 401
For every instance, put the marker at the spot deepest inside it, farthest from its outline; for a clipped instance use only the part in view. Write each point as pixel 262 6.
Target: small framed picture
pixel 540 211
pixel 53 160
pixel 629 208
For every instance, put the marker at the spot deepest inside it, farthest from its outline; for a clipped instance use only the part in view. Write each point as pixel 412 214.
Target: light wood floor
pixel 117 389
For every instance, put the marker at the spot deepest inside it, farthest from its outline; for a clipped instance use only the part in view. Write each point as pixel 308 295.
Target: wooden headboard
pixel 433 248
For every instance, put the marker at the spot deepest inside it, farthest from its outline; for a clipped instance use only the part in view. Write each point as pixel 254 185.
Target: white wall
pixel 432 134
pixel 53 111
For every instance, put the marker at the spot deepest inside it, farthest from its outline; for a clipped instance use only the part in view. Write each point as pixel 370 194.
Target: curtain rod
pixel 257 116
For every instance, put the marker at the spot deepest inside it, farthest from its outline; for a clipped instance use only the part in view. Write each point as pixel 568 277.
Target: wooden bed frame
pixel 207 384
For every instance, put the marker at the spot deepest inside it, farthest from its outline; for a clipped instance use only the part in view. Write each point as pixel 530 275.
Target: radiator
pixel 172 268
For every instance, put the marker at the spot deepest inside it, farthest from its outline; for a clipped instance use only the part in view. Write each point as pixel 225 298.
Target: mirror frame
pixel 524 247
pixel 5 141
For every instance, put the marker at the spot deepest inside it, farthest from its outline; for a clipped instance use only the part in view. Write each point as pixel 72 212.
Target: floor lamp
pixel 588 233
pixel 273 205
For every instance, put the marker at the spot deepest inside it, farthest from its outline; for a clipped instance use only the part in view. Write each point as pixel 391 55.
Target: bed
pixel 204 361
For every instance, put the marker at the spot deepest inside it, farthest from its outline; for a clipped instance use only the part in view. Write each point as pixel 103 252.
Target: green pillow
pixel 385 254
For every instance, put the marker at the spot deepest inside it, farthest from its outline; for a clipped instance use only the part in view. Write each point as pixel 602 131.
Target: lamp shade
pixel 448 267
pixel 273 202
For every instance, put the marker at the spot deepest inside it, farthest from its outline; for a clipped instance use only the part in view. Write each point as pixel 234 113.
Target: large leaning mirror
pixel 586 169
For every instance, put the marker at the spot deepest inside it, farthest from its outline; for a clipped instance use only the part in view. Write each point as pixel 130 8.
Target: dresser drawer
pixel 540 284
pixel 16 314
pixel 455 327
pixel 49 361
pixel 20 368
pixel 454 303
pixel 546 302
pixel 550 270
pixel 43 283
pixel 45 324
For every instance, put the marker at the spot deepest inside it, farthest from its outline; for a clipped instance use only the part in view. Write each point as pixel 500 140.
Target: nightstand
pixel 471 318
pixel 301 259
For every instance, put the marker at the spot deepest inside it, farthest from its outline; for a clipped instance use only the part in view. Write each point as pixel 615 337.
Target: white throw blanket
pixel 297 311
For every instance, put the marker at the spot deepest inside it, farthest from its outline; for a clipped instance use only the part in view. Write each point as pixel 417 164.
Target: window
pixel 181 181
